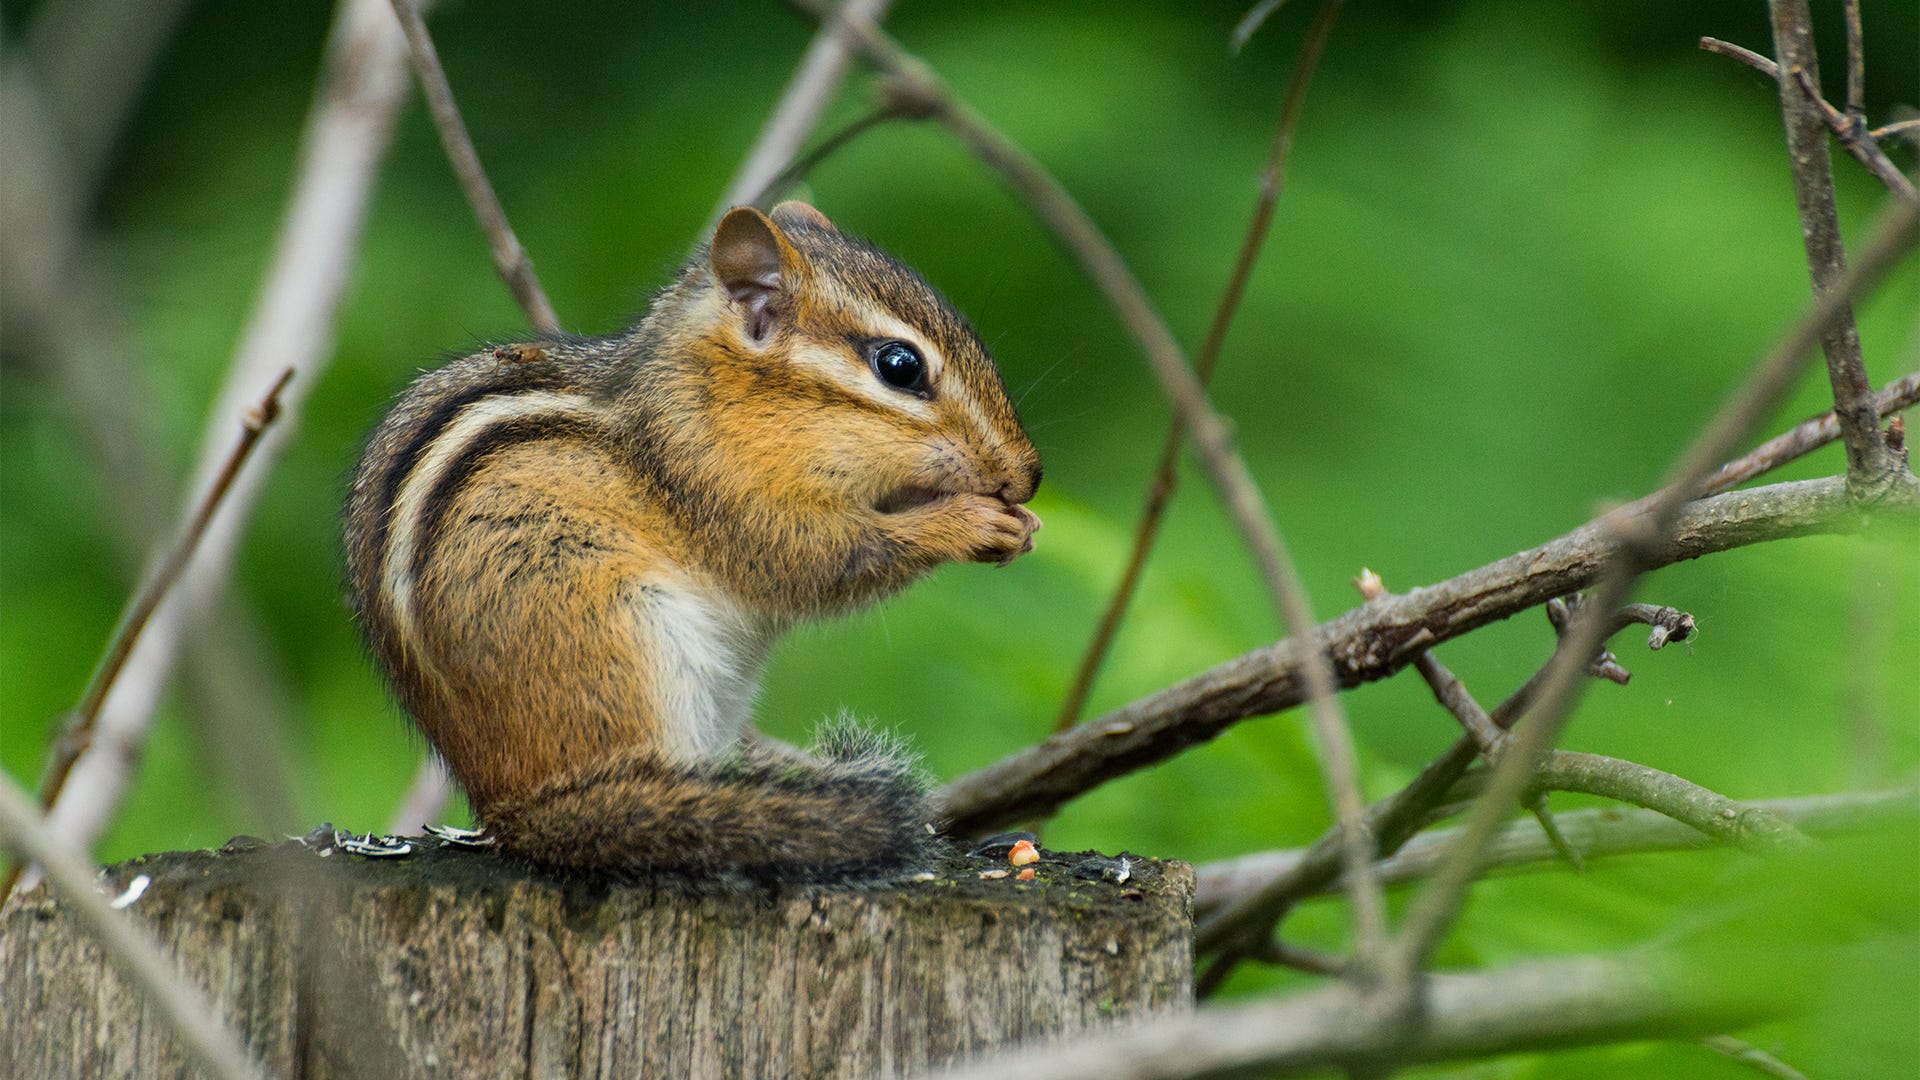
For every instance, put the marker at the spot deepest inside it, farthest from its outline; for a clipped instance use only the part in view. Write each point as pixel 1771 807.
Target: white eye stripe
pixel 846 369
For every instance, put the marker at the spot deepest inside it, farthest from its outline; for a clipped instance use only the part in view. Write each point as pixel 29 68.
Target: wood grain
pixel 453 963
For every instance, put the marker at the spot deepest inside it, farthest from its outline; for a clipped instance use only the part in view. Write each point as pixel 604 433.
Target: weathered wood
pixel 454 963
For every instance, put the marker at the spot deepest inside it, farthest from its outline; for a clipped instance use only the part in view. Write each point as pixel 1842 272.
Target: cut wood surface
pixel 454 963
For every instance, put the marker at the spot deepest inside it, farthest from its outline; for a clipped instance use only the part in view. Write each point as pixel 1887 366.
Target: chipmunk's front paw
pixel 1005 530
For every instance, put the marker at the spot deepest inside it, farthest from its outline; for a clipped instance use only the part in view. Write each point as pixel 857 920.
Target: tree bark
pixel 456 963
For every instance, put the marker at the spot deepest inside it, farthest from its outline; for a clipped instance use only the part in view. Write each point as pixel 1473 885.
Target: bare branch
pixel 175 999
pixel 1165 475
pixel 291 325
pixel 1856 67
pixel 1898 127
pixel 1078 233
pixel 1868 462
pixel 1634 535
pixel 1746 1053
pixel 813 83
pixel 1807 437
pixel 1537 1006
pixel 510 260
pixel 828 147
pixel 1747 827
pixel 1367 644
pixel 1599 833
pixel 62 302
pixel 77 738
pixel 1857 141
pixel 1373 642
pixel 1392 821
pixel 1453 696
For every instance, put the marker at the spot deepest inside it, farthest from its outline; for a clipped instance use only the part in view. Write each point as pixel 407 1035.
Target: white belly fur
pixel 707 657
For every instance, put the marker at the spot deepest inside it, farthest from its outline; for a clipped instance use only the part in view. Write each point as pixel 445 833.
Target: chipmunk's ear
pixel 754 263
pixel 793 212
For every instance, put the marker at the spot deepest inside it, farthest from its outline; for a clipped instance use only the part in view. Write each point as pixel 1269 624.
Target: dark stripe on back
pixel 491 439
pixel 429 429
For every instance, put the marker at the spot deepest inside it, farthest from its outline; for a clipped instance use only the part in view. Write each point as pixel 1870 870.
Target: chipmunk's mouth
pixel 911 497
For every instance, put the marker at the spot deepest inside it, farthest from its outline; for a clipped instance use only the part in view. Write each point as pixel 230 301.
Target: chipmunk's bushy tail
pixel 853 812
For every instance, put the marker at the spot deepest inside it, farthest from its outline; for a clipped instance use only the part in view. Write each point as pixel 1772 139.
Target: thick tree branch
pixel 1370 643
pixel 1869 462
pixel 1536 1006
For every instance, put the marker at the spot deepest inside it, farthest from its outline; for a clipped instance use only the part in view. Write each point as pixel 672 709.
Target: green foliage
pixel 1522 253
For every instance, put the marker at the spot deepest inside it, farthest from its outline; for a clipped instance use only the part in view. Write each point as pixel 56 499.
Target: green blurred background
pixel 1523 251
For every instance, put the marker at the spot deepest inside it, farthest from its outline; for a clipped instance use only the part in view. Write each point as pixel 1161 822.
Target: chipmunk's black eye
pixel 900 366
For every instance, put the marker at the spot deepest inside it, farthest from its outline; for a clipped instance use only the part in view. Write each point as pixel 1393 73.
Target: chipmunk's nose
pixel 1015 492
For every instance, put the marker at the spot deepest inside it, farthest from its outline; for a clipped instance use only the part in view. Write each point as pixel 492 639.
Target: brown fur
pixel 572 556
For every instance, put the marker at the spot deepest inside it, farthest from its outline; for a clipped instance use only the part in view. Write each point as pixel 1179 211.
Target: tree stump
pixel 455 963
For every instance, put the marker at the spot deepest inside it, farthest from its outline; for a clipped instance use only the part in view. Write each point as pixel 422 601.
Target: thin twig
pixel 175 999
pixel 510 260
pixel 1748 1054
pixel 1861 144
pixel 63 302
pixel 1301 958
pixel 78 733
pixel 1604 664
pixel 1372 643
pixel 1808 436
pixel 794 117
pixel 1454 697
pixel 1165 475
pixel 1252 21
pixel 1640 529
pixel 346 136
pixel 1071 225
pixel 1856 68
pixel 829 146
pixel 1898 127
pixel 1599 833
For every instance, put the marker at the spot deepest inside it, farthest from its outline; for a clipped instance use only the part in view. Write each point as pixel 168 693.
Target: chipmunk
pixel 572 557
